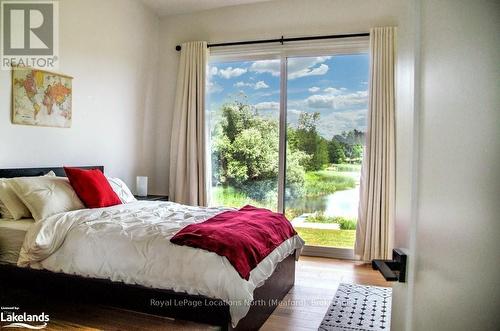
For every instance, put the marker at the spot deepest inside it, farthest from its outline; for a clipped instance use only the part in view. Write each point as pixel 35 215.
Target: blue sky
pixel 334 86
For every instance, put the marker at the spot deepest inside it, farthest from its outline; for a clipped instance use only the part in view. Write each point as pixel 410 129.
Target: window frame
pixel 357 45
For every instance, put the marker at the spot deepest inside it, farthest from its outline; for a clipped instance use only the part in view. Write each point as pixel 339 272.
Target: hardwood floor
pixel 316 282
pixel 303 308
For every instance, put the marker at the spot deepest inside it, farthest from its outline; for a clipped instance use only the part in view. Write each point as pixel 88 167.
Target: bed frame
pixel 201 309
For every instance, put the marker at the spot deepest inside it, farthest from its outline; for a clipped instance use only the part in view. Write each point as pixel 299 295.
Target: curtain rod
pixel 283 40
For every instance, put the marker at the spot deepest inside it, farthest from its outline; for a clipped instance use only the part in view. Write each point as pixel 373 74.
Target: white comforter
pixel 130 243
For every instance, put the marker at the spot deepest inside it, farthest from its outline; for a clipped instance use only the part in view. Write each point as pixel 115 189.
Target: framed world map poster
pixel 41 98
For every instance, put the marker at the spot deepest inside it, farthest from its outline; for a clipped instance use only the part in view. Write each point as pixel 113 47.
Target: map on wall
pixel 41 98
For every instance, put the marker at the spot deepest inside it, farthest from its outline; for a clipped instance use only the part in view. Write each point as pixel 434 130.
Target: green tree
pixel 295 173
pixel 356 153
pixel 320 157
pixel 245 153
pixel 308 140
pixel 352 143
pixel 336 151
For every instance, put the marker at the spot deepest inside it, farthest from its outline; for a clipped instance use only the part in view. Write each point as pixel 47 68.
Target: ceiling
pixel 175 7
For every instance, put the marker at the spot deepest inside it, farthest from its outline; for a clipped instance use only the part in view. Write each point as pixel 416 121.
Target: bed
pixel 79 282
pixel 12 235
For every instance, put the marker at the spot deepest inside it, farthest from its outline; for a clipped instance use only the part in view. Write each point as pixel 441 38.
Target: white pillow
pixel 4 212
pixel 10 204
pixel 46 196
pixel 121 189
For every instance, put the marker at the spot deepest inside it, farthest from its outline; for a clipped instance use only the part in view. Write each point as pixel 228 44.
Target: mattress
pixel 12 235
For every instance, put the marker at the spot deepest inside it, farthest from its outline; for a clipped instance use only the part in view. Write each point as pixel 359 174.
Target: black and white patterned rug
pixel 357 307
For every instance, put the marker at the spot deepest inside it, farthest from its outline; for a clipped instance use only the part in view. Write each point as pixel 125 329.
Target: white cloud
pixel 256 86
pixel 314 89
pixel 340 110
pixel 267 105
pixel 307 66
pixel 260 85
pixel 267 93
pixel 337 100
pixel 213 87
pixel 212 71
pixel 332 90
pixel 270 66
pixel 231 72
pixel 318 71
pixel 294 111
pixel 242 84
pixel 332 123
pixel 297 67
pixel 337 122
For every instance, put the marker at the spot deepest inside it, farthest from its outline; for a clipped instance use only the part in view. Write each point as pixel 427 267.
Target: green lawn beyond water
pixel 329 238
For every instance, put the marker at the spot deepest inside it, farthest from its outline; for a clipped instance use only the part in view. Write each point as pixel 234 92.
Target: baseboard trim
pixel 330 252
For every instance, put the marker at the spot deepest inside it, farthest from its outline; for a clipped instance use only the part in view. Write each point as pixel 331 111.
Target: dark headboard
pixel 31 172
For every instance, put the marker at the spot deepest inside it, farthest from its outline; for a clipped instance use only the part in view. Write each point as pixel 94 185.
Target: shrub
pixel 260 190
pixel 320 218
pixel 344 222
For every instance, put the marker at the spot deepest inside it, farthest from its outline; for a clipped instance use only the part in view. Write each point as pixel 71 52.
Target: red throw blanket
pixel 245 237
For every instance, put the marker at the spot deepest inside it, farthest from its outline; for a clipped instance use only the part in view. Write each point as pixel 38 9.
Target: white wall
pixel 111 49
pixel 259 21
pixel 457 252
pixel 406 159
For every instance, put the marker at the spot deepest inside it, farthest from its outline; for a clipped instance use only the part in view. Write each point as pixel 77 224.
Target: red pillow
pixel 92 187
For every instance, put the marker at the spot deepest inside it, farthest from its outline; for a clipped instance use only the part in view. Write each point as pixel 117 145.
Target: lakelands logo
pixel 23 320
pixel 30 34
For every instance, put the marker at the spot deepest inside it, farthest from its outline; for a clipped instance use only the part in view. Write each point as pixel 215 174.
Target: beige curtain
pixel 375 229
pixel 187 149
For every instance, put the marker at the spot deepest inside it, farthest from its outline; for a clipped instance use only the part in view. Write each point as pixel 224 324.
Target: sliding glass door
pixel 287 133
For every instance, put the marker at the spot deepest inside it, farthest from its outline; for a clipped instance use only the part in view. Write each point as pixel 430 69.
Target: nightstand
pixel 152 197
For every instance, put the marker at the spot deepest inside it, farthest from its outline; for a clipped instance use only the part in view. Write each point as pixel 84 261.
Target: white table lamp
pixel 142 186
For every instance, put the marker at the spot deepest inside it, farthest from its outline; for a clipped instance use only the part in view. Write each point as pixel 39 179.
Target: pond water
pixel 341 203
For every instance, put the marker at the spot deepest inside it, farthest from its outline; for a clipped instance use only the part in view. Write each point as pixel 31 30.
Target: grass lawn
pixel 330 238
pixel 231 197
pixel 323 182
